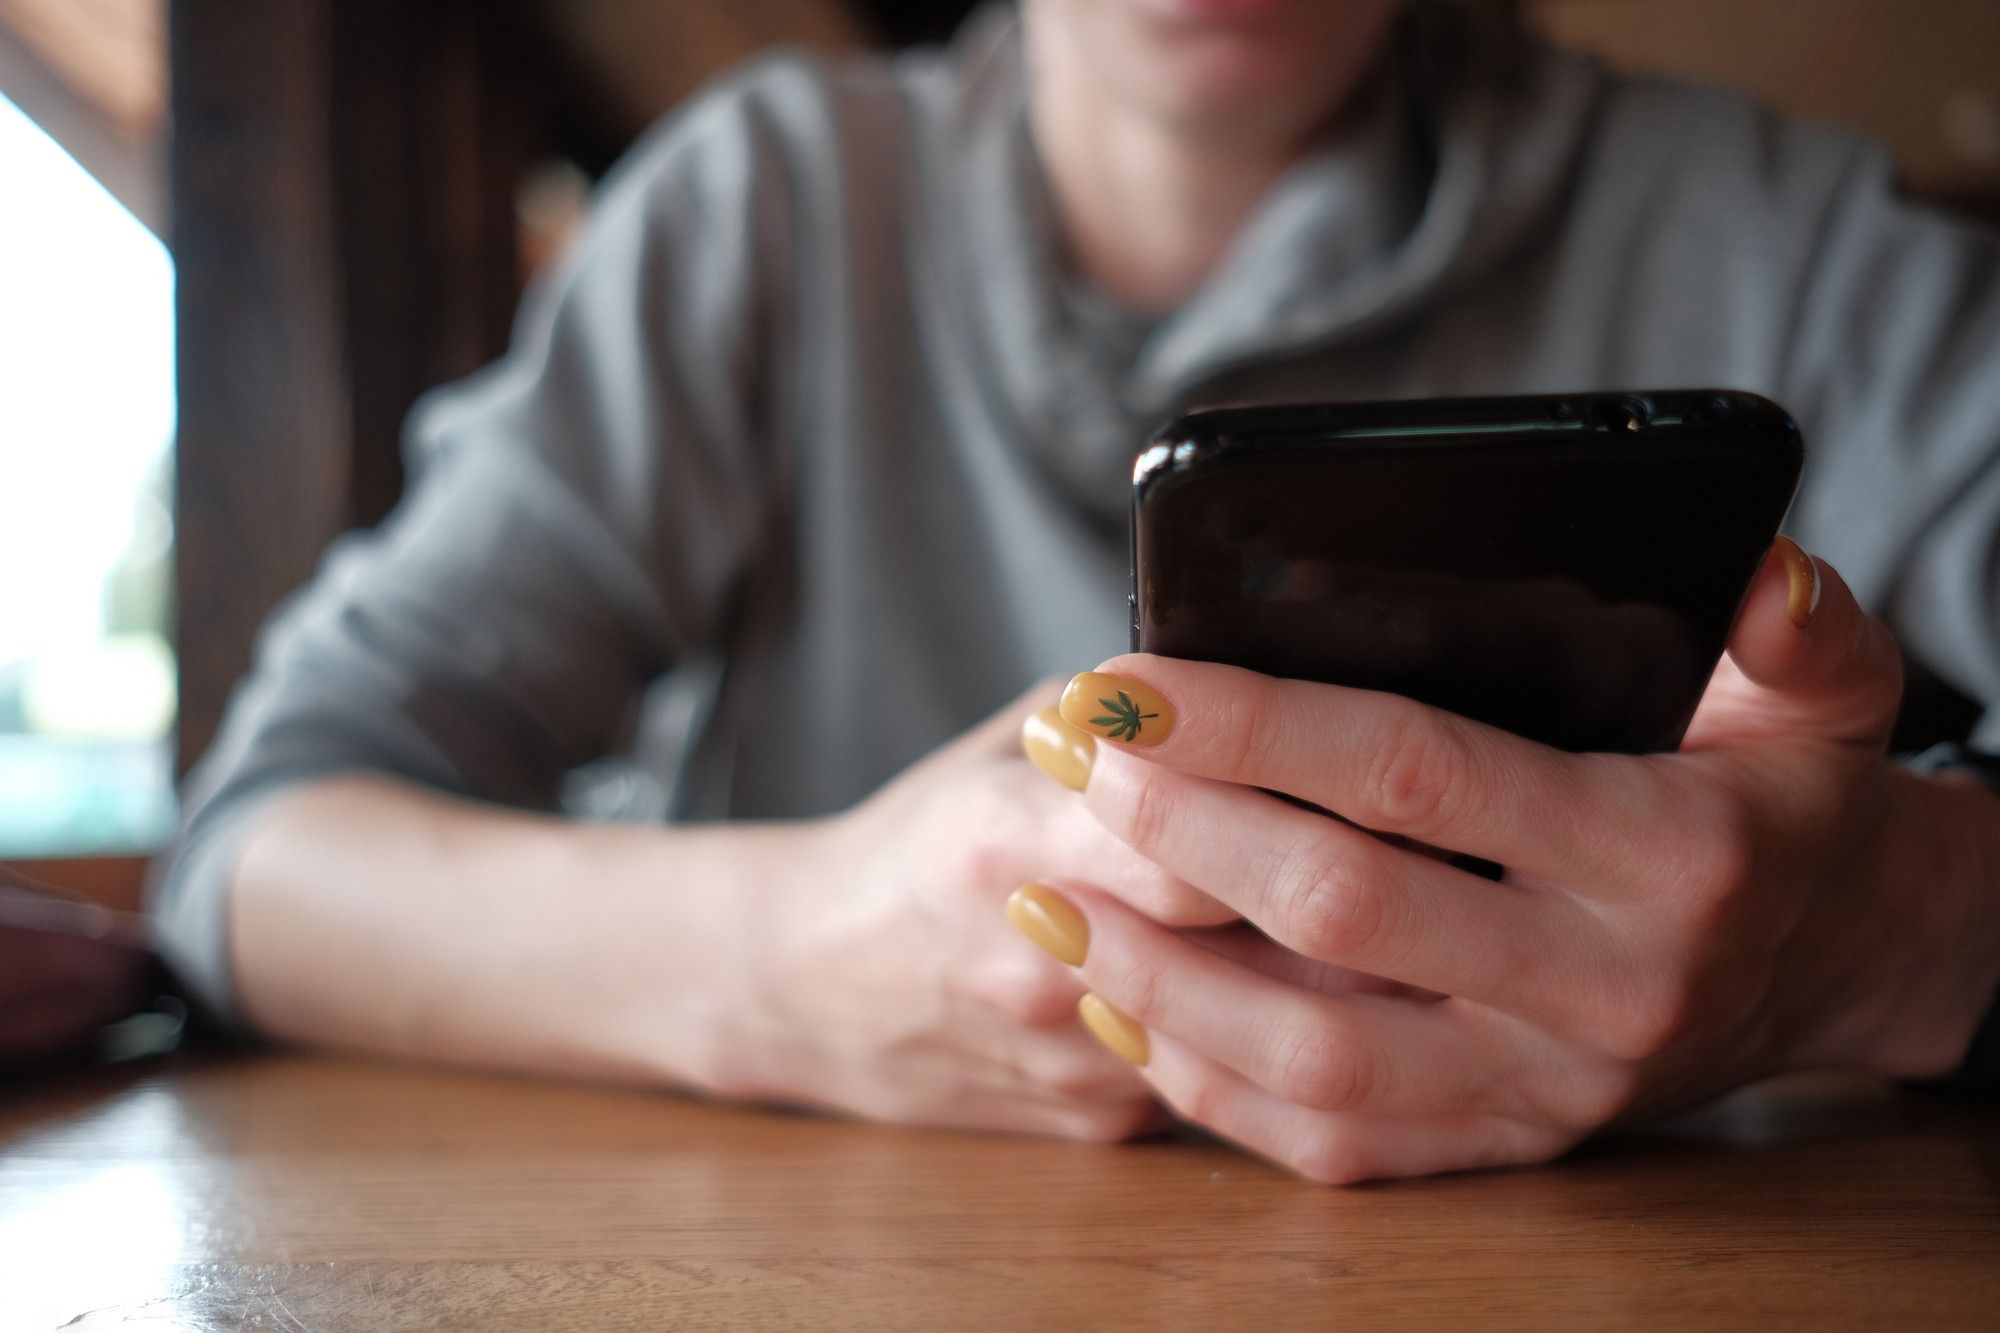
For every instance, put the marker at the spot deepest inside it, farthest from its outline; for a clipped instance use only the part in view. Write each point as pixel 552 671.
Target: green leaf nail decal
pixel 1124 719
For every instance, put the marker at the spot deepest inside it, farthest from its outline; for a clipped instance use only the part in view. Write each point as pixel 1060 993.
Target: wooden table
pixel 280 1191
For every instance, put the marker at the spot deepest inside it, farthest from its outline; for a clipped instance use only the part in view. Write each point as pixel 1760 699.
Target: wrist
pixel 682 994
pixel 1937 900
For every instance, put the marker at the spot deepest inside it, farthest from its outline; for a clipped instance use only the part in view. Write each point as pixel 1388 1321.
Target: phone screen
pixel 1574 585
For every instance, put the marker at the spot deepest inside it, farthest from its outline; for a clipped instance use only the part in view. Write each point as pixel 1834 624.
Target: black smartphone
pixel 1565 567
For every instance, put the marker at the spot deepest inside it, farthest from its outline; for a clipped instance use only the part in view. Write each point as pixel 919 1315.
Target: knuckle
pixel 727 1072
pixel 1168 899
pixel 1411 779
pixel 1106 859
pixel 1200 1097
pixel 1318 1070
pixel 1074 1075
pixel 1718 871
pixel 1114 1125
pixel 1077 1085
pixel 1180 906
pixel 1721 859
pixel 1135 984
pixel 1243 725
pixel 1710 911
pixel 1332 1159
pixel 1151 809
pixel 1033 998
pixel 984 864
pixel 1652 1023
pixel 1599 1100
pixel 1334 909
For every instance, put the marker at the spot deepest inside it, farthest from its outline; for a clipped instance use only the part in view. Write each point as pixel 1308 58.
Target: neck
pixel 1147 206
pixel 1147 214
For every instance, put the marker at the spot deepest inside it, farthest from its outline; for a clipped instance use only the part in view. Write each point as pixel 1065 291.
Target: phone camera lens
pixel 1710 412
pixel 1623 414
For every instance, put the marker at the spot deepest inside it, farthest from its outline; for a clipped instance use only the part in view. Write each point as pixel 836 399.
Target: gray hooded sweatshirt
pixel 811 454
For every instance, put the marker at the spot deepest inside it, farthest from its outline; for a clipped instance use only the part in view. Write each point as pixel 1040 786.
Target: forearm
pixel 373 915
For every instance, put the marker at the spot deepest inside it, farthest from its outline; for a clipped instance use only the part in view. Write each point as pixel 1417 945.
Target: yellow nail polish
pixel 1058 749
pixel 1050 920
pixel 1802 596
pixel 1117 708
pixel 1120 1035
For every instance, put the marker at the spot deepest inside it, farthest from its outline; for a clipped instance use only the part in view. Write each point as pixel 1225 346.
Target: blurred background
pixel 239 237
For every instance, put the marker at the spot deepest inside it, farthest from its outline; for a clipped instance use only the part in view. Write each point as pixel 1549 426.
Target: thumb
pixel 1807 659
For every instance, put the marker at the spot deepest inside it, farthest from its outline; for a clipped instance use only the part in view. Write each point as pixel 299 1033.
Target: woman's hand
pixel 858 963
pixel 1777 895
pixel 886 983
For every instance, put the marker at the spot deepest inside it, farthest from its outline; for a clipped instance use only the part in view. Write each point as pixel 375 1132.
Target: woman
pixel 817 449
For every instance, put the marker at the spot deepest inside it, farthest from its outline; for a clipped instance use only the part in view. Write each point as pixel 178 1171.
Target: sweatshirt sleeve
pixel 1896 372
pixel 579 517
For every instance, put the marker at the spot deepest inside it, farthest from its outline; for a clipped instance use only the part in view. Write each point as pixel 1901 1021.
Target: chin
pixel 1229 63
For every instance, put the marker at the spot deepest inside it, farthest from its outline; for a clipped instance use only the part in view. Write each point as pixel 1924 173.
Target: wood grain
pixel 305 1192
pixel 261 466
pixel 343 182
pixel 117 882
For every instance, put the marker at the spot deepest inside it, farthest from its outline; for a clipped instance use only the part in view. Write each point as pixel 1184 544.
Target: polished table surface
pixel 286 1191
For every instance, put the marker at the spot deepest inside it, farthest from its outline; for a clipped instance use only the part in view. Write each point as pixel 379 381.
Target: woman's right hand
pixel 886 982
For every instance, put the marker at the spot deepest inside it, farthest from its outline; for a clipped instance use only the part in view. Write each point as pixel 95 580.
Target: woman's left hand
pixel 1776 895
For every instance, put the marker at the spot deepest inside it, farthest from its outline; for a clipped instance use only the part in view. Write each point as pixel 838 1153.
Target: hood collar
pixel 1463 145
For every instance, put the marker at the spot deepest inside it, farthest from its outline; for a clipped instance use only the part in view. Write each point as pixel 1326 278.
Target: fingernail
pixel 1057 748
pixel 1120 1035
pixel 1050 920
pixel 1117 708
pixel 1802 597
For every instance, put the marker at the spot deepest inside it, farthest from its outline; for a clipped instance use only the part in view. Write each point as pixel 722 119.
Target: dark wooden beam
pixel 263 453
pixel 439 115
pixel 342 189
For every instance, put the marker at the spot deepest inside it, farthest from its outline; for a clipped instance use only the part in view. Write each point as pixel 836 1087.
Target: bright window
pixel 86 531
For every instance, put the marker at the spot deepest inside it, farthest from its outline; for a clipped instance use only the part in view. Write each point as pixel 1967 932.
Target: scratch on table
pixel 286 1310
